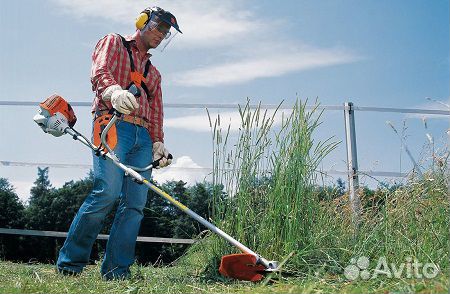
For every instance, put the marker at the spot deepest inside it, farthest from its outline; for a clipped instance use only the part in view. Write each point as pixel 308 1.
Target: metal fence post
pixel 352 162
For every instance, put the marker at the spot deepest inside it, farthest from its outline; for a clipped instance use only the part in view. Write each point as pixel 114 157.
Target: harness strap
pixel 136 77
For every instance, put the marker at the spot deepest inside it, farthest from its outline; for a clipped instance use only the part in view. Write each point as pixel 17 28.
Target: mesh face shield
pixel 160 25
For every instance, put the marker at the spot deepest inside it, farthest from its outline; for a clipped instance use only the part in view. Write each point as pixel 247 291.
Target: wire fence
pixel 263 106
pixel 352 172
pixel 190 169
pixel 369 173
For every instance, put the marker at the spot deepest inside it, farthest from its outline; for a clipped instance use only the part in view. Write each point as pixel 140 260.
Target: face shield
pixel 162 27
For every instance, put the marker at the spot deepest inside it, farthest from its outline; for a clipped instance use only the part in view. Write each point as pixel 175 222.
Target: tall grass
pixel 269 177
pixel 270 201
pixel 410 222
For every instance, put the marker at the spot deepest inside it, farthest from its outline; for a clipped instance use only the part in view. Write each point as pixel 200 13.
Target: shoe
pixel 67 272
pixel 111 276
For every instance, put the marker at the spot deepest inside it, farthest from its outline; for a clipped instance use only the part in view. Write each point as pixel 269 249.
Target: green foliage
pixel 270 179
pixel 276 207
pixel 66 202
pixel 54 209
pixel 327 193
pixel 162 219
pixel 11 216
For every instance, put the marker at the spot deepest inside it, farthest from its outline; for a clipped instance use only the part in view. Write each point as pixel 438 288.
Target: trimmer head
pixel 242 267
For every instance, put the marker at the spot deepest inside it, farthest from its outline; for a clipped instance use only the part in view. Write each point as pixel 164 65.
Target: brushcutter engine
pixel 55 116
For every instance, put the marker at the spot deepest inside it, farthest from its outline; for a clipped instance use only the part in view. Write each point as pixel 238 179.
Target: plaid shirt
pixel 111 66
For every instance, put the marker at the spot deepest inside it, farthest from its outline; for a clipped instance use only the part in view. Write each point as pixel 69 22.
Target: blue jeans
pixel 134 147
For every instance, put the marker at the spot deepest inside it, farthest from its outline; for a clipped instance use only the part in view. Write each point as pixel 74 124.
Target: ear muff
pixel 142 20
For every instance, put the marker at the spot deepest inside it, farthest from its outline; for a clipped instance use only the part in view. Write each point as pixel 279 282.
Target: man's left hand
pixel 161 153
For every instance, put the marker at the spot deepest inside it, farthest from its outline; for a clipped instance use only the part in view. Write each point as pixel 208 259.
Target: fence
pixel 352 171
pixel 99 237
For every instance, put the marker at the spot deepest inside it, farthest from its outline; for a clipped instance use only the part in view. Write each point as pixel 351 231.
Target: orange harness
pixel 102 118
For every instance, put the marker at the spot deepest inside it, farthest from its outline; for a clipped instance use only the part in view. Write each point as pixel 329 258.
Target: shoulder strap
pixel 126 44
pixel 147 67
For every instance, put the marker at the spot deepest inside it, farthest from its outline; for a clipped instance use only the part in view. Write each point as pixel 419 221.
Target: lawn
pixel 42 278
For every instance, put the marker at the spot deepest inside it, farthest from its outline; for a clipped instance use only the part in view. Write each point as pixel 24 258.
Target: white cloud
pixel 200 122
pixel 184 169
pixel 250 68
pixel 431 105
pixel 255 47
pixel 204 23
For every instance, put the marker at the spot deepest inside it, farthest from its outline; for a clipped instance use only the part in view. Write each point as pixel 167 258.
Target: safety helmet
pixel 143 19
pixel 160 19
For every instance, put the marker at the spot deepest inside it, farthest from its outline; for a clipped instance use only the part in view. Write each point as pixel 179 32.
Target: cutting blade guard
pixel 246 267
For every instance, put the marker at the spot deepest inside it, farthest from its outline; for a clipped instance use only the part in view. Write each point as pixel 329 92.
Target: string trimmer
pixel 57 117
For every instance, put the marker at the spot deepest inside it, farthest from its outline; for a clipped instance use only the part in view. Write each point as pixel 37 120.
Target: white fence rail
pixel 264 106
pixel 350 134
pixel 99 237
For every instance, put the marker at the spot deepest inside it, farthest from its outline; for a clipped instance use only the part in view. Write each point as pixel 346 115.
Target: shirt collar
pixel 132 40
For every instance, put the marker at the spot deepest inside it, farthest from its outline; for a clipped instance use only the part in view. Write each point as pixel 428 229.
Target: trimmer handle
pixel 115 115
pixel 156 162
pixel 115 112
pixel 133 89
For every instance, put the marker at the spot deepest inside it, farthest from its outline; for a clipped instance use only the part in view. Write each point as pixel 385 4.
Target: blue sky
pixel 372 53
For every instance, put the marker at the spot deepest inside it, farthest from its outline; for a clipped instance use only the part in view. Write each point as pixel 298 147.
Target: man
pixel 120 63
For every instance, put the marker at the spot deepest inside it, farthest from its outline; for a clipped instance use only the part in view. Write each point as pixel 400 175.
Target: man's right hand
pixel 123 101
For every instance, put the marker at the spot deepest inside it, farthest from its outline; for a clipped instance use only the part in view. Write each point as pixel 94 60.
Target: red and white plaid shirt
pixel 111 66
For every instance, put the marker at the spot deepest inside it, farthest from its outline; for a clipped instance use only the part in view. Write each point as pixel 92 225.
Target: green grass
pixel 273 206
pixel 39 278
pixel 269 174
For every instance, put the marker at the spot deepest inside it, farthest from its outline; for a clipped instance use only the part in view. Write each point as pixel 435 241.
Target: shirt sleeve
pixel 104 61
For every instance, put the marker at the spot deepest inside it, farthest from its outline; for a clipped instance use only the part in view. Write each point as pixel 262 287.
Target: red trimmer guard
pixel 242 267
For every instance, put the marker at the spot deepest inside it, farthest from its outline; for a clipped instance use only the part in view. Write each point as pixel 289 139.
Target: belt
pixel 140 121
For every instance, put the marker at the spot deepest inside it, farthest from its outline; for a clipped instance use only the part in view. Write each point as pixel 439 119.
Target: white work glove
pixel 159 151
pixel 122 100
pixel 106 96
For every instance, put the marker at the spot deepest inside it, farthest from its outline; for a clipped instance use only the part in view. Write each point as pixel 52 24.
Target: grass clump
pixel 269 178
pixel 271 203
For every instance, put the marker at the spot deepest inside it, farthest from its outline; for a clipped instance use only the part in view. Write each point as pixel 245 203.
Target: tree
pixel 38 216
pixel 199 198
pixel 340 188
pixel 42 185
pixel 158 221
pixel 67 200
pixel 11 216
pixel 162 219
pixel 41 198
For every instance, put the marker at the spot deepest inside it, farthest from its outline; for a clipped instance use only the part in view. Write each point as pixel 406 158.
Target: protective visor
pixel 161 26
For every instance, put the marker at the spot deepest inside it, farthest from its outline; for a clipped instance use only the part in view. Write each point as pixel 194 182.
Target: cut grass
pixel 40 278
